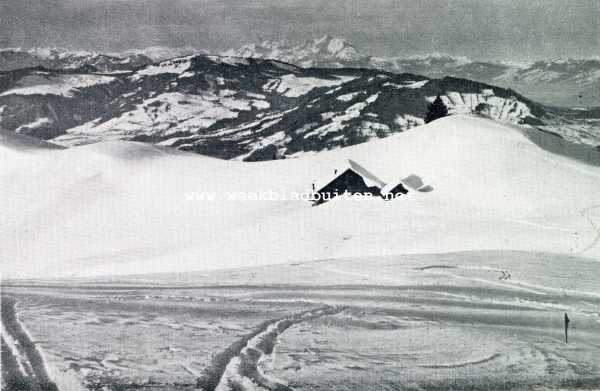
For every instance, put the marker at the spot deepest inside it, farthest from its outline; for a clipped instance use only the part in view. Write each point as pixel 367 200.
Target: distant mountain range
pixel 558 82
pixel 254 109
pixel 56 58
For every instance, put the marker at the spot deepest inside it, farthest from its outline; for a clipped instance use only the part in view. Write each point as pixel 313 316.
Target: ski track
pixel 463 364
pixel 243 371
pixel 189 370
pixel 596 226
pixel 503 280
pixel 539 225
pixel 28 355
pixel 21 359
pixel 379 278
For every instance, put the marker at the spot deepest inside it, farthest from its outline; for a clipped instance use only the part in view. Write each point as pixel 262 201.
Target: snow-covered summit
pixel 62 58
pixel 430 58
pixel 325 50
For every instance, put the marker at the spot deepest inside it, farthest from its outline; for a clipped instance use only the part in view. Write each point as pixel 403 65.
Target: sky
pixel 506 30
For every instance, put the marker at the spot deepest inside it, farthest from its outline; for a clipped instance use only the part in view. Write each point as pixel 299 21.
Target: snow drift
pixel 123 207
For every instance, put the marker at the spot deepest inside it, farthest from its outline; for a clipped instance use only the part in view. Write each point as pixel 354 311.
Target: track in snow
pixel 22 364
pixel 238 367
pixel 463 364
pixel 596 226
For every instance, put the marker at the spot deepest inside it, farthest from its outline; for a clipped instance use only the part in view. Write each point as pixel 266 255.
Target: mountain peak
pixel 321 50
pixel 441 57
pixel 63 58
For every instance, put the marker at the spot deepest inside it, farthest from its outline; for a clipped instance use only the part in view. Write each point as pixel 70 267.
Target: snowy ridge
pixel 61 58
pixel 41 83
pixel 293 87
pixel 489 183
pixel 498 108
pixel 175 66
pixel 255 109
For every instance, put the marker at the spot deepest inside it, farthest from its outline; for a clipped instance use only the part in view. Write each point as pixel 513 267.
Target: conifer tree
pixel 436 110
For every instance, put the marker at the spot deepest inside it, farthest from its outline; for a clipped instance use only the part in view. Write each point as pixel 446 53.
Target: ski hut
pixel 354 180
pixel 393 190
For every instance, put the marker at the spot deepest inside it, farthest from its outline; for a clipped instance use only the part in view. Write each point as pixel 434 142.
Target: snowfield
pixel 166 114
pixel 124 207
pixel 476 320
pixel 337 121
pixel 175 66
pixel 293 86
pixel 63 85
pixel 178 272
pixel 502 109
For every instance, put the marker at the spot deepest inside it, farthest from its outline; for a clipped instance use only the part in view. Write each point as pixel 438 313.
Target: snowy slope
pixel 11 141
pixel 61 58
pixel 57 58
pixel 132 208
pixel 254 109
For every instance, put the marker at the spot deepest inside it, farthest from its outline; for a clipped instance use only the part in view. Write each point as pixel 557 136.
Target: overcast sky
pixel 509 30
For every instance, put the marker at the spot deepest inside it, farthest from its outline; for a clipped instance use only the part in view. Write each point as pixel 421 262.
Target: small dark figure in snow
pixel 436 110
pixel 335 172
pixel 313 186
pixel 567 320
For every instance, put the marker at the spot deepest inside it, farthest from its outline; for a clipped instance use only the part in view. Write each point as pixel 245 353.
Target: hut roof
pixel 370 178
pixel 413 181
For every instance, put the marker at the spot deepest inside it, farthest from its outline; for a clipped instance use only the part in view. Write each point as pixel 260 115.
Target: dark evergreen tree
pixel 436 110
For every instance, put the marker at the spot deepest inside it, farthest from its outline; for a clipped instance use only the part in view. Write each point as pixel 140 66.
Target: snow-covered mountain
pixel 122 207
pixel 561 82
pixel 253 109
pixel 557 82
pixel 325 51
pixel 57 58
